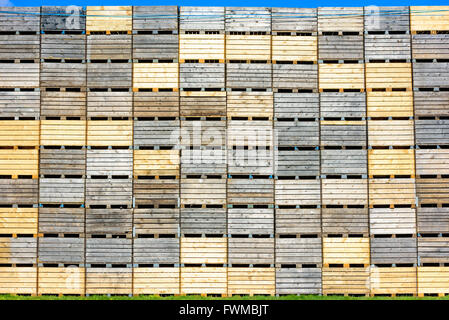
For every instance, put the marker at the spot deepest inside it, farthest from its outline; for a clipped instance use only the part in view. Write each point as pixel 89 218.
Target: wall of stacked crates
pixel 97 197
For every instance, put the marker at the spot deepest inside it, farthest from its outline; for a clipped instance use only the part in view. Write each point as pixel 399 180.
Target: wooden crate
pixel 111 46
pixel 294 19
pixel 433 250
pixel 18 250
pixel 250 191
pixel 156 104
pixel 203 221
pixel 109 281
pixel 342 104
pixel 65 74
pixel 109 18
pixel 249 104
pixel 109 104
pixel 340 47
pixel 393 251
pixel 204 280
pixel 252 161
pixel 430 75
pixel 109 192
pixel 248 75
pixel 248 47
pixel 250 251
pixel 432 132
pixel 430 46
pixel 345 220
pixel 63 132
pixel 387 46
pixel 294 76
pixel 63 46
pixel 146 18
pixel 156 251
pixel 61 191
pixel 341 76
pixel 390 133
pixel 18 220
pixel 109 221
pixel 203 250
pixel 202 103
pixel 248 19
pixel 61 280
pixel 250 221
pixel 297 163
pixel 298 221
pixel 203 191
pixel 155 46
pixel 109 75
pixel 388 75
pixel 346 251
pixel 20 103
pixel 251 281
pixel 156 221
pixel 12 20
pixel 56 18
pixel 298 251
pixel 61 220
pixel 201 75
pixel 392 191
pixel 109 132
pixel 105 251
pixel 18 280
pixel 17 162
pixel 156 162
pixel 433 280
pixel 19 46
pixel 205 133
pixel 202 18
pixel 19 191
pixel 351 19
pixel 201 46
pixel 298 281
pixel 387 18
pixel 63 104
pixel 344 191
pixel 343 162
pixel 392 221
pixel 61 250
pixel 203 162
pixel 156 281
pixel 62 162
pixel 294 48
pixel 156 192
pixel 106 162
pixel 390 104
pixel 429 18
pixel 430 104
pixel 243 132
pixel 297 133
pixel 393 280
pixel 297 192
pixel 19 133
pixel 296 105
pixel 155 75
pixel 432 220
pixel 432 190
pixel 391 162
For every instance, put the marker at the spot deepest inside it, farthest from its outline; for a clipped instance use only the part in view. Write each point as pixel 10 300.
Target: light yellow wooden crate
pixel 156 162
pixel 109 280
pixel 292 48
pixel 390 133
pixel 390 104
pixel 18 220
pixel 201 46
pixel 204 280
pixel 388 75
pixel 156 280
pixel 392 191
pixel 429 18
pixel 109 18
pixel 18 280
pixel 203 191
pixel 109 132
pixel 61 280
pixel 334 19
pixel 391 162
pixel 204 250
pixel 393 280
pixel 433 280
pixel 297 192
pixel 346 251
pixel 341 76
pixel 63 132
pixel 248 47
pixel 344 191
pixel 251 281
pixel 19 162
pixel 155 75
pixel 250 104
pixel 346 281
pixel 19 133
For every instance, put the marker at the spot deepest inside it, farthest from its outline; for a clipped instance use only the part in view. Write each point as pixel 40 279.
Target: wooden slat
pixel 18 220
pixel 251 281
pixel 346 251
pixel 108 18
pixel 428 18
pixel 156 280
pixel 61 280
pixel 393 280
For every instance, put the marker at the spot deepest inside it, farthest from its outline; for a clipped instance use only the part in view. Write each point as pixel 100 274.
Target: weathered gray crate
pixel 295 76
pixel 251 250
pixel 344 192
pixel 62 162
pixel 345 220
pixel 155 46
pixel 387 46
pixel 19 46
pixel 343 104
pixel 250 221
pixel 298 221
pixel 63 104
pixel 156 251
pixel 18 250
pixel 392 221
pixel 386 18
pixel 63 18
pixel 296 105
pixel 156 133
pixel 111 46
pixel 109 162
pixel 156 221
pixel 19 191
pixel 109 75
pixel 432 190
pixel 203 162
pixel 108 251
pixel 109 221
pixel 432 220
pixel 202 75
pixel 393 250
pixel 109 192
pixel 430 75
pixel 248 19
pixel 156 104
pixel 55 74
pixel 430 46
pixel 432 132
pixel 344 47
pixel 63 46
pixel 20 19
pixel 252 161
pixel 110 104
pixel 430 104
pixel 19 75
pixel 155 18
pixel 353 134
pixel 298 251
pixel 298 192
pixel 203 221
pixel 61 250
pixel 294 19
pixel 248 75
pixel 250 191
pixel 203 191
pixel 297 133
pixel 344 162
pixel 20 104
pixel 156 191
pixel 433 250
pixel 205 133
pixel 297 163
pixel 298 281
pixel 350 19
pixel 198 104
pixel 61 220
pixel 61 190
pixel 202 18
pixel 243 132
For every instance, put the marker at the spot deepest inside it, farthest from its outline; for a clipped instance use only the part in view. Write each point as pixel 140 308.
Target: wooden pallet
pixel 341 76
pixel 346 281
pixel 393 251
pixel 63 132
pixel 63 74
pixel 109 221
pixel 61 250
pixel 388 221
pixel 167 15
pixel 428 18
pixel 342 104
pixel 343 162
pixel 155 75
pixel 111 46
pixel 108 18
pixel 109 75
pixel 58 191
pixel 432 220
pixel 344 191
pixel 109 192
pixel 296 105
pixel 202 46
pixel 110 104
pixel 18 250
pixel 392 191
pixel 100 162
pixel 156 280
pixel 204 280
pixel 388 46
pixel 393 281
pixel 346 251
pixel 203 191
pixel 390 133
pixel 430 46
pixel 156 221
pixel 157 251
pixel 61 220
pixel 352 19
pixel 156 192
pixel 61 280
pixel 16 162
pixel 336 47
pixel 18 280
pixel 19 133
pixel 203 250
pixel 19 191
pixel 250 221
pixel 248 47
pixel 250 251
pixel 298 281
pixel 432 132
pixel 290 48
pixel 251 281
pixel 109 280
pixel 433 280
pixel 390 104
pixel 345 220
pixel 297 192
pixel 297 221
pixel 109 132
pixel 391 162
pixel 298 251
pixel 19 46
pixel 56 18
